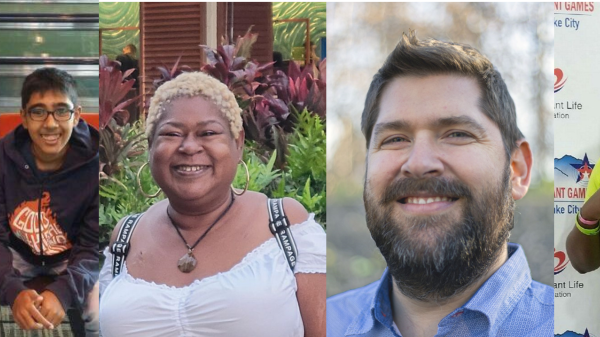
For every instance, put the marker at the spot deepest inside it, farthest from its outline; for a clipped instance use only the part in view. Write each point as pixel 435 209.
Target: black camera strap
pixel 120 248
pixel 280 227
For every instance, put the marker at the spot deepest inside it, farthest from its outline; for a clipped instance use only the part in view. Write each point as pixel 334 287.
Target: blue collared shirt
pixel 508 304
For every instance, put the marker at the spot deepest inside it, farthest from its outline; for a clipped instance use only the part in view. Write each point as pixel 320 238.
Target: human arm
pixel 72 286
pixel 591 208
pixel 311 300
pixel 23 301
pixel 584 250
pixel 106 272
pixel 310 270
pixel 11 284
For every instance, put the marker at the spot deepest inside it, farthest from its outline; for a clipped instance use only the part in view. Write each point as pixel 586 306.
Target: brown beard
pixel 462 251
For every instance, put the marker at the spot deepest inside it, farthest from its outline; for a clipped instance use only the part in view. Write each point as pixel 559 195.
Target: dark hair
pixel 48 79
pixel 414 57
pixel 278 59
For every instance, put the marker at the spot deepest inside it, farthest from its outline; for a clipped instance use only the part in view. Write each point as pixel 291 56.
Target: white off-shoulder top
pixel 257 297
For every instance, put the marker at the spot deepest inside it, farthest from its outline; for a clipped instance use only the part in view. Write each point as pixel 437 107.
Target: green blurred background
pixel 290 35
pixel 119 14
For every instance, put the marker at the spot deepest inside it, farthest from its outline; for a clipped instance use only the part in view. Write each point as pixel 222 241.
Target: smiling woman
pixel 205 259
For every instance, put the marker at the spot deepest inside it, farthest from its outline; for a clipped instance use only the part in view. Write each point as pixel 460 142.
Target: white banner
pixel 576 150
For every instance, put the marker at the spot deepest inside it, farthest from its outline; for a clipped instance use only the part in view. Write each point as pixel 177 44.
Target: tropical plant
pixel 267 101
pixel 117 142
pixel 120 145
pixel 168 73
pixel 113 89
pixel 285 140
pixel 303 177
pixel 306 165
pixel 304 88
pixel 119 195
pixel 262 109
pixel 307 146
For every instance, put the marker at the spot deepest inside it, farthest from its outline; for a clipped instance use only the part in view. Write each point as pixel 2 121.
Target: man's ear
pixel 23 118
pixel 521 162
pixel 76 115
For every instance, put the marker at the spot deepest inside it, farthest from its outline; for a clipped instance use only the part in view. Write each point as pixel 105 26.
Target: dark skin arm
pixel 311 291
pixel 584 250
pixel 311 300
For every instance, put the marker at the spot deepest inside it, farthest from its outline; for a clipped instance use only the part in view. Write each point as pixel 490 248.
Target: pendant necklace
pixel 188 262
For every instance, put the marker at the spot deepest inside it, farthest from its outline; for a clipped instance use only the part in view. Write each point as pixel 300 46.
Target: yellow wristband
pixel 593 231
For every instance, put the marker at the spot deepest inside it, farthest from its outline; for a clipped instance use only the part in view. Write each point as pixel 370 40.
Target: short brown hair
pixel 414 57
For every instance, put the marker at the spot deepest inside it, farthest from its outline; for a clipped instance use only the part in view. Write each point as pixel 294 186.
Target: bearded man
pixel 445 163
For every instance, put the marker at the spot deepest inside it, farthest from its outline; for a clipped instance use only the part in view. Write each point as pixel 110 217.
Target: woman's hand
pixel 591 209
pixel 584 250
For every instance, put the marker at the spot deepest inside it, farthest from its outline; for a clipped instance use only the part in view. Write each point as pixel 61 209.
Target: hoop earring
pixel 247 181
pixel 139 182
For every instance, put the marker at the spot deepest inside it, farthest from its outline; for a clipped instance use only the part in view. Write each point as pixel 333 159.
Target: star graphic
pixel 584 169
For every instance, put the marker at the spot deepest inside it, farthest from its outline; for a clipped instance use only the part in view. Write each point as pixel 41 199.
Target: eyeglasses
pixel 60 114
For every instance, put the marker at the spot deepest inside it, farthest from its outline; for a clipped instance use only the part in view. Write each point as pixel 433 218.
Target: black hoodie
pixel 68 199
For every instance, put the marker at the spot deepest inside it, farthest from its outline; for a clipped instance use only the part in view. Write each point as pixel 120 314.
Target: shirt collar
pixel 380 308
pixel 499 295
pixel 496 298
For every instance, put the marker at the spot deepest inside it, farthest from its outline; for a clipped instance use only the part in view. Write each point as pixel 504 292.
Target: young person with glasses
pixel 49 206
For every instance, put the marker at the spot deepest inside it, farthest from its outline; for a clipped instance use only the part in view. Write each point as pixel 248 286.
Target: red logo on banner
pixel 562 261
pixel 559 83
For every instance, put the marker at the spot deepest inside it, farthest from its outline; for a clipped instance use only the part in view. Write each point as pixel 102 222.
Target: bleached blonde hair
pixel 191 85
